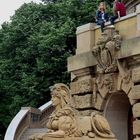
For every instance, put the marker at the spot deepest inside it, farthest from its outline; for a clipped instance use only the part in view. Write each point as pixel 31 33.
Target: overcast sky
pixel 8 7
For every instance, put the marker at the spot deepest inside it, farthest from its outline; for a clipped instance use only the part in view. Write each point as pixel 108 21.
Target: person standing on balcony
pixel 102 16
pixel 119 10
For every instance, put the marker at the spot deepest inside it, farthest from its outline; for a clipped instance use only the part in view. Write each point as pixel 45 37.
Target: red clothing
pixel 120 7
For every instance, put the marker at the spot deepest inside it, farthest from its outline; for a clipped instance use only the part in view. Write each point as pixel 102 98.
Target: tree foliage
pixel 34 48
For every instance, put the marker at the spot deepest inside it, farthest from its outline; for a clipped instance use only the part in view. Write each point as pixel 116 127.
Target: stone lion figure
pixel 65 121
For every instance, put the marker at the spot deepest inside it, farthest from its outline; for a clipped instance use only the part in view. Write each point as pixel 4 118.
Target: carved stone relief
pixel 106 52
pixel 125 82
pixel 106 83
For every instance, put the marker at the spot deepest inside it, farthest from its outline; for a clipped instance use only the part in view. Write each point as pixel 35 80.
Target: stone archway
pixel 117 111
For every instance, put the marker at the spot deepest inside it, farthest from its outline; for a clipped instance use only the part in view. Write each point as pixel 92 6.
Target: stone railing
pixel 88 34
pixel 22 125
pixel 28 117
pixel 13 127
pixel 46 110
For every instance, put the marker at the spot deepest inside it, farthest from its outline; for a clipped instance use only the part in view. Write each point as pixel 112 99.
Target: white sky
pixel 8 7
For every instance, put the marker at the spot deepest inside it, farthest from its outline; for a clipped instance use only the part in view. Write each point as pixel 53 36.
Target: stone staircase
pixel 32 131
pixel 29 121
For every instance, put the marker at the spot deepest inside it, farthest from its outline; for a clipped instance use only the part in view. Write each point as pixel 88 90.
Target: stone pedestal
pixel 76 138
pixel 85 38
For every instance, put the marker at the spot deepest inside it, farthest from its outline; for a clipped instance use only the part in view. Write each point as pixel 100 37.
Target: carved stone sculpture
pixel 106 52
pixel 65 123
pixel 62 122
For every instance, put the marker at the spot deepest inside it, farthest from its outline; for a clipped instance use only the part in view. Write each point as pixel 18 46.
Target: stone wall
pixel 92 89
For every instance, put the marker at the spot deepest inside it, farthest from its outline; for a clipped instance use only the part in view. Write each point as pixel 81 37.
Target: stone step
pixel 30 132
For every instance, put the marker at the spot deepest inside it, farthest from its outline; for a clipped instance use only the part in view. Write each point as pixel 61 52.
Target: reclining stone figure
pixel 65 122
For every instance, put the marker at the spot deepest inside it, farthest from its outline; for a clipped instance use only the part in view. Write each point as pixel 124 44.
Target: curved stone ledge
pixel 11 131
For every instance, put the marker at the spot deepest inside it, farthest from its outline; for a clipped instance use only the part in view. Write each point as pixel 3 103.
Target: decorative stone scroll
pixel 83 86
pixel 65 123
pixel 106 52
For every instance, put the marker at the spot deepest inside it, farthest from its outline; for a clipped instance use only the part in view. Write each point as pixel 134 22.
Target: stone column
pixel 85 38
pixel 138 17
pixel 82 68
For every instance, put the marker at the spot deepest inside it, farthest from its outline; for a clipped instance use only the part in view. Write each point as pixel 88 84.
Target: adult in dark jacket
pixel 102 16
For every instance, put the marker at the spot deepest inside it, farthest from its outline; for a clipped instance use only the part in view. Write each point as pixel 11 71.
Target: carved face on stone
pixel 60 95
pixel 56 100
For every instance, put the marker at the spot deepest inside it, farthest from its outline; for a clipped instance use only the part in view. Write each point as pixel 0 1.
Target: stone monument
pixel 66 123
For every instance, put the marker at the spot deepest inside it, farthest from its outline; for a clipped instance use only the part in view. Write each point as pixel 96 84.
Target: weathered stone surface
pixel 130 47
pixel 136 110
pixel 107 83
pixel 125 77
pixel 135 93
pixel 83 86
pixel 85 73
pixel 98 102
pixel 136 75
pixel 127 86
pixel 106 51
pixel 86 112
pixel 130 96
pixel 81 61
pixel 84 101
pixel 85 38
pixel 131 5
pixel 137 8
pixel 138 16
pixel 123 25
pixel 32 110
pixel 138 20
pixel 136 127
pixel 109 31
pixel 65 123
pixel 76 138
pixel 137 139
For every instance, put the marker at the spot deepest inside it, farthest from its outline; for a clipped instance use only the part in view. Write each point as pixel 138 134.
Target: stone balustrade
pixel 14 125
pixel 87 35
pixel 28 117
